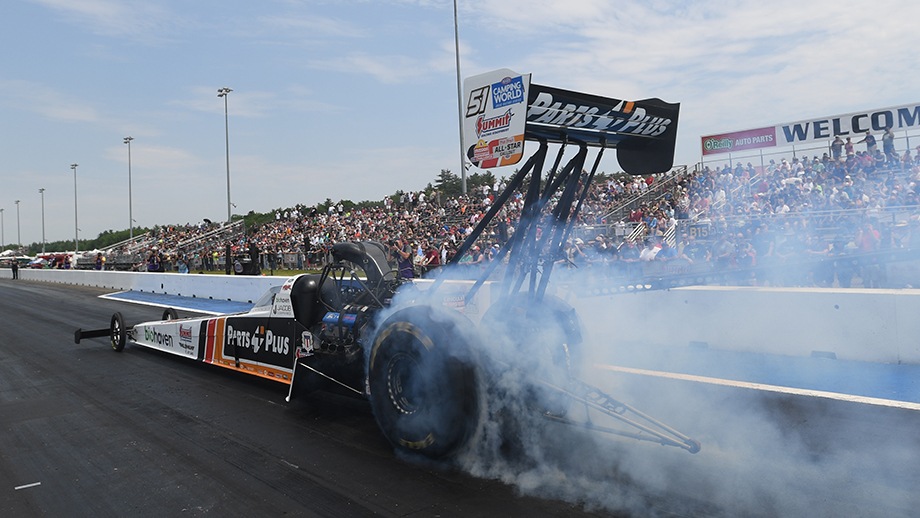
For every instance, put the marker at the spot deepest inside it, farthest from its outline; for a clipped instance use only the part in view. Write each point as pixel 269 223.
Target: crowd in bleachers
pixel 739 216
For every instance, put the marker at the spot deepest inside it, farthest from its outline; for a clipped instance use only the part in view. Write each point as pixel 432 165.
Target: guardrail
pixel 871 325
pixel 239 288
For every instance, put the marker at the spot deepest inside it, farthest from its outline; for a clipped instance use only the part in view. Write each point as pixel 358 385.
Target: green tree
pixel 448 183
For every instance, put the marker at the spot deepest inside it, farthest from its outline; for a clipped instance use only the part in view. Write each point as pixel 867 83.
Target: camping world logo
pixel 507 91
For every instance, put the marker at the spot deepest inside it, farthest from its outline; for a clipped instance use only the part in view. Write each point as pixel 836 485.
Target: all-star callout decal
pixel 503 109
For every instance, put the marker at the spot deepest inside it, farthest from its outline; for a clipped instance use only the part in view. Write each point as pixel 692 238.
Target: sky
pixel 358 99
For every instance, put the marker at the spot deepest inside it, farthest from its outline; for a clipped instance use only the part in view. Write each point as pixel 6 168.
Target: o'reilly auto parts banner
pixel 494 117
pixel 903 117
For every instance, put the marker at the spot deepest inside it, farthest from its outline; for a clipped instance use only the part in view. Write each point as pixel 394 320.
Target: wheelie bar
pixel 649 429
pixel 79 334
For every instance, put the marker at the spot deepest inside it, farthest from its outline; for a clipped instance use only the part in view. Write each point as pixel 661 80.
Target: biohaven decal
pixel 495 117
pixel 181 339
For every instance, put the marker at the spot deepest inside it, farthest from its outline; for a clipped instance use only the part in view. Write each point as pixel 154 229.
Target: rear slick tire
pixel 424 389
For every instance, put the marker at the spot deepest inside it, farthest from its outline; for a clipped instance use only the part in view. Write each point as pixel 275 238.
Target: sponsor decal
pixel 739 141
pixel 282 309
pixel 454 301
pixel 490 126
pixel 478 102
pixel 459 303
pixel 306 348
pixel 507 147
pixel 508 91
pixel 257 340
pixel 493 119
pixel 186 338
pixel 153 336
pixel 571 111
pixel 481 151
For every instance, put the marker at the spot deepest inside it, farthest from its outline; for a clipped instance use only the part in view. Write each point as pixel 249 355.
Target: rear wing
pixel 497 121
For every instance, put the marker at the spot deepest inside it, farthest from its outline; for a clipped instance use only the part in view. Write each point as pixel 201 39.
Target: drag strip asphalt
pixel 86 431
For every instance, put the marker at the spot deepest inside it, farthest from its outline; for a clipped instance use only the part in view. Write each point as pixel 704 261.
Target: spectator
pixel 888 144
pixel 837 148
pixel 402 253
pixel 871 145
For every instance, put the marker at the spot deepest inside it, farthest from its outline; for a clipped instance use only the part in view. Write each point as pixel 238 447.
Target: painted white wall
pixel 241 288
pixel 854 324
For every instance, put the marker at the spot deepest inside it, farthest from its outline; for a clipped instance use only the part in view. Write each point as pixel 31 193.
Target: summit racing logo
pixel 489 126
pixel 508 91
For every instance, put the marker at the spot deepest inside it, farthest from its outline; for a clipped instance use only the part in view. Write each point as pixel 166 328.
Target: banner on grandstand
pixel 495 117
pixel 739 141
pixel 905 117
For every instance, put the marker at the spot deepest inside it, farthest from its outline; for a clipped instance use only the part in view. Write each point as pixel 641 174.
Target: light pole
pixel 76 231
pixel 18 237
pixel 225 93
pixel 42 192
pixel 130 214
pixel 2 237
pixel 459 102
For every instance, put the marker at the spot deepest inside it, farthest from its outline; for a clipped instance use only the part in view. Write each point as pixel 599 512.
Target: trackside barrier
pixel 848 324
pixel 239 288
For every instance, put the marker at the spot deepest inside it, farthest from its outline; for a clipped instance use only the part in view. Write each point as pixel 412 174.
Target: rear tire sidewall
pixel 541 342
pixel 424 390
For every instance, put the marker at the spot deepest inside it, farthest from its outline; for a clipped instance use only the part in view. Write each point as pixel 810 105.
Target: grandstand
pixel 824 215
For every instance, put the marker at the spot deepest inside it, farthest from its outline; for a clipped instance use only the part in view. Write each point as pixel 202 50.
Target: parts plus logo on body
pixel 257 340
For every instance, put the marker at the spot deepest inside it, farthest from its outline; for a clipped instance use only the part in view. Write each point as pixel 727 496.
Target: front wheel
pixel 117 332
pixel 423 385
pixel 170 314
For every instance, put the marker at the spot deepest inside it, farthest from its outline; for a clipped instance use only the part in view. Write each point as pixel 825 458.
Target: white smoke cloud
pixel 762 454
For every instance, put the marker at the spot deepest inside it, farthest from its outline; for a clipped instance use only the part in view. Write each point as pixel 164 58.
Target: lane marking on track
pixel 27 486
pixel 907 405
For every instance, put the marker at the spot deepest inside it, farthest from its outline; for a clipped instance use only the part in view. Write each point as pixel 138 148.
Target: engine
pixel 341 330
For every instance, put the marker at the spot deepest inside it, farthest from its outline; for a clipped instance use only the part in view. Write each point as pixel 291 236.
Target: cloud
pixel 46 101
pixel 121 18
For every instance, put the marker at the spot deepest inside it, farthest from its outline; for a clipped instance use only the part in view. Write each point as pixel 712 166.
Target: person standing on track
pixel 15 267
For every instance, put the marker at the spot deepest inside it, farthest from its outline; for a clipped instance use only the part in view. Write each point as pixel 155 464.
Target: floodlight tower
pixel 18 236
pixel 225 93
pixel 76 229
pixel 42 192
pixel 127 141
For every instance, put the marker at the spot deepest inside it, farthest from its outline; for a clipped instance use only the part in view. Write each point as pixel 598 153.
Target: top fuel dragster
pixel 430 354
